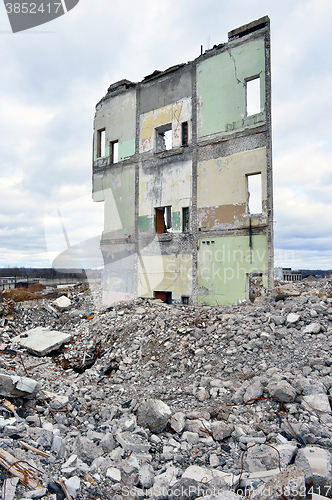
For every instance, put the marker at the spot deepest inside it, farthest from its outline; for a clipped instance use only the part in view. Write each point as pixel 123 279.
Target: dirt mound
pixel 19 295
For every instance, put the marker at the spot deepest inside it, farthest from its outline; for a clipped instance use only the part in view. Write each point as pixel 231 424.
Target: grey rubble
pixel 174 395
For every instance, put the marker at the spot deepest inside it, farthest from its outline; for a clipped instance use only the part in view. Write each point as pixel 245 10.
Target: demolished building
pixel 183 162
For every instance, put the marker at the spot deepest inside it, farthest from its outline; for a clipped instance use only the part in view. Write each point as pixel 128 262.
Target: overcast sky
pixel 52 77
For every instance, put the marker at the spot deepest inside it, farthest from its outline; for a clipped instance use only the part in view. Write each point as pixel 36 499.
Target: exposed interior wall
pixel 224 264
pixel 117 115
pixel 222 188
pixel 162 185
pixel 221 88
pixel 117 189
pixel 174 114
pixel 165 273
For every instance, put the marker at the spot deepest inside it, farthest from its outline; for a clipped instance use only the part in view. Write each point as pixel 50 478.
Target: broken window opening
pixel 114 152
pixel 164 296
pixel 185 219
pixel 163 219
pixel 253 96
pixel 101 143
pixel 185 134
pixel 185 300
pixel 255 286
pixel 254 182
pixel 164 138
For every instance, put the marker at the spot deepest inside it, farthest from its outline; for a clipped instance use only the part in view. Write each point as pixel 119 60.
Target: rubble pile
pixel 148 400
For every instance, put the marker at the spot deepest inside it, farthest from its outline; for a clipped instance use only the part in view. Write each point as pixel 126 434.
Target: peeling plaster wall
pixel 117 115
pixel 165 273
pixel 222 190
pixel 223 266
pixel 175 114
pixel 210 261
pixel 117 190
pixel 160 186
pixel 221 88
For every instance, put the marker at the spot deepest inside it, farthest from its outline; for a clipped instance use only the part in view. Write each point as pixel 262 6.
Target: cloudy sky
pixel 53 75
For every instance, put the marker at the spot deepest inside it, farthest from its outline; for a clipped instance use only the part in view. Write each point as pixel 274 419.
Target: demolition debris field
pixel 148 400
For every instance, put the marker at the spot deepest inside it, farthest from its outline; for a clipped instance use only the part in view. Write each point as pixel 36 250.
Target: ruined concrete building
pixel 183 162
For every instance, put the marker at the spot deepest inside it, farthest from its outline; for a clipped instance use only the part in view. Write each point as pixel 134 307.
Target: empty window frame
pixel 185 134
pixel 163 216
pixel 253 96
pixel 185 220
pixel 185 300
pixel 101 143
pixel 114 152
pixel 254 182
pixel 164 138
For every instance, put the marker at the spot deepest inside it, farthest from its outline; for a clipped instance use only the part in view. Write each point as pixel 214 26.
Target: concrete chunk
pixel 154 414
pixel 317 466
pixel 132 442
pixel 291 479
pixel 41 341
pixel 62 303
pixel 12 385
pixel 202 474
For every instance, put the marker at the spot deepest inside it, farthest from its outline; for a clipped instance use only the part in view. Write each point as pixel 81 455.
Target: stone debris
pixel 146 400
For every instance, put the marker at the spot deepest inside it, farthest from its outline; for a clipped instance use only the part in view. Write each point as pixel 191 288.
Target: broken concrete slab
pixel 41 341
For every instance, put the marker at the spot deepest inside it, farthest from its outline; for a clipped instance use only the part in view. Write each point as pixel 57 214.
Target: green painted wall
pixel 221 88
pixel 117 189
pixel 126 149
pixel 223 266
pixel 117 116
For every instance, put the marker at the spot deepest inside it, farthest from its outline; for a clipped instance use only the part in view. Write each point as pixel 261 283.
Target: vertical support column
pixel 194 187
pixel 269 181
pixel 137 238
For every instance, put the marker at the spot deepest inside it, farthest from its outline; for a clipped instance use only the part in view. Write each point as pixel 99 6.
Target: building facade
pixel 183 163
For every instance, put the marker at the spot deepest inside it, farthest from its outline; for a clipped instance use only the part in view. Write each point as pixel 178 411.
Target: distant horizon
pixel 78 269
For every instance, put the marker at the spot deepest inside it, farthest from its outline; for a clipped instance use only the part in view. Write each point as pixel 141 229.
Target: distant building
pixel 286 274
pixel 183 162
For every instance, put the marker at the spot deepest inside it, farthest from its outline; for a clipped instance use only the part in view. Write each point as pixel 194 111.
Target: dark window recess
pixel 185 134
pixel 114 152
pixel 164 138
pixel 101 143
pixel 185 219
pixel 164 296
pixel 163 219
pixel 185 300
